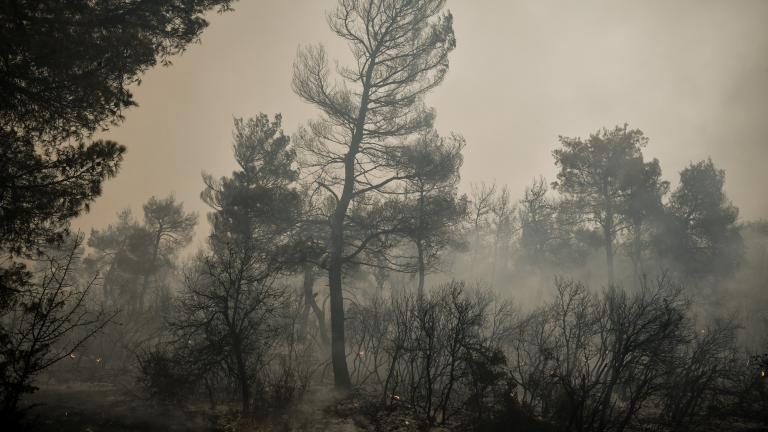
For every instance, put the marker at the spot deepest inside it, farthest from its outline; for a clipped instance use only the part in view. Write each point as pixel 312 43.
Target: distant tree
pixel 268 182
pixel 699 231
pixel 400 53
pixel 171 229
pixel 132 253
pixel 551 231
pixel 598 175
pixel 121 252
pixel 538 227
pixel 433 208
pixel 261 194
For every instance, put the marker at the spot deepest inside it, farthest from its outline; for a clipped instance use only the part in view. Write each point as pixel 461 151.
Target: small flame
pixel 395 397
pixel 762 374
pixel 72 355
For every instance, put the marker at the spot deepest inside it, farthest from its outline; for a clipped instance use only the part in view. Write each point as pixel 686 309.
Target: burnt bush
pixel 436 354
pixel 596 361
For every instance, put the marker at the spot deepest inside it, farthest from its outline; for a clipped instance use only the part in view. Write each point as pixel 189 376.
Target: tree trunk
pixel 338 345
pixel 336 251
pixel 637 251
pixel 608 233
pixel 245 393
pixel 608 225
pixel 609 258
pixel 151 269
pixel 310 303
pixel 422 269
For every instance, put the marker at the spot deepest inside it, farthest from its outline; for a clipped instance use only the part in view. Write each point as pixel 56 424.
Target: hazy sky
pixel 693 75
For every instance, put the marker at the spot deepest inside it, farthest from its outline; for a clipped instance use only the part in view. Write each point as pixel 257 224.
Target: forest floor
pixel 107 408
pixel 104 407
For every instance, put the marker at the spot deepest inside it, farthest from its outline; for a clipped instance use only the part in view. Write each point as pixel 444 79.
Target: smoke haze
pixel 693 75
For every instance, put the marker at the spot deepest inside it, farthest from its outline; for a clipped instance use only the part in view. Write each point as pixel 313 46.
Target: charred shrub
pixel 443 358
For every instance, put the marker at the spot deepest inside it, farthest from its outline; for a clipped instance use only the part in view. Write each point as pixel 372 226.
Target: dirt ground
pixel 108 408
pixel 104 407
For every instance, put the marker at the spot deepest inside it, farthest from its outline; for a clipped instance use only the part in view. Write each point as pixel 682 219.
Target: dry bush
pixel 46 323
pixel 436 354
pixel 594 361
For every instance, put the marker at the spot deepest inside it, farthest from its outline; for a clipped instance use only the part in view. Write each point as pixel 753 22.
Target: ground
pixel 109 408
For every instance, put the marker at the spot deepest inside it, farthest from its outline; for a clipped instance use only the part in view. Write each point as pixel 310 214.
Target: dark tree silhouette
pixel 537 214
pixel 171 229
pixel 400 53
pixel 65 69
pixel 228 312
pixel 229 300
pixel 699 231
pixel 133 255
pixel 597 174
pixel 433 209
pixel 481 202
pixel 121 251
pixel 260 200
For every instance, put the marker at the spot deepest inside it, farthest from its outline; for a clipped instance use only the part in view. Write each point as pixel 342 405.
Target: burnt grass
pixel 95 407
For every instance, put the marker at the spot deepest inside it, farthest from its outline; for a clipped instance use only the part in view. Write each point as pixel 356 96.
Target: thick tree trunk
pixel 336 251
pixel 338 345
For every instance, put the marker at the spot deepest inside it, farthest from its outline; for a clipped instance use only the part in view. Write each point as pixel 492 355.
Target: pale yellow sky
pixel 692 74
